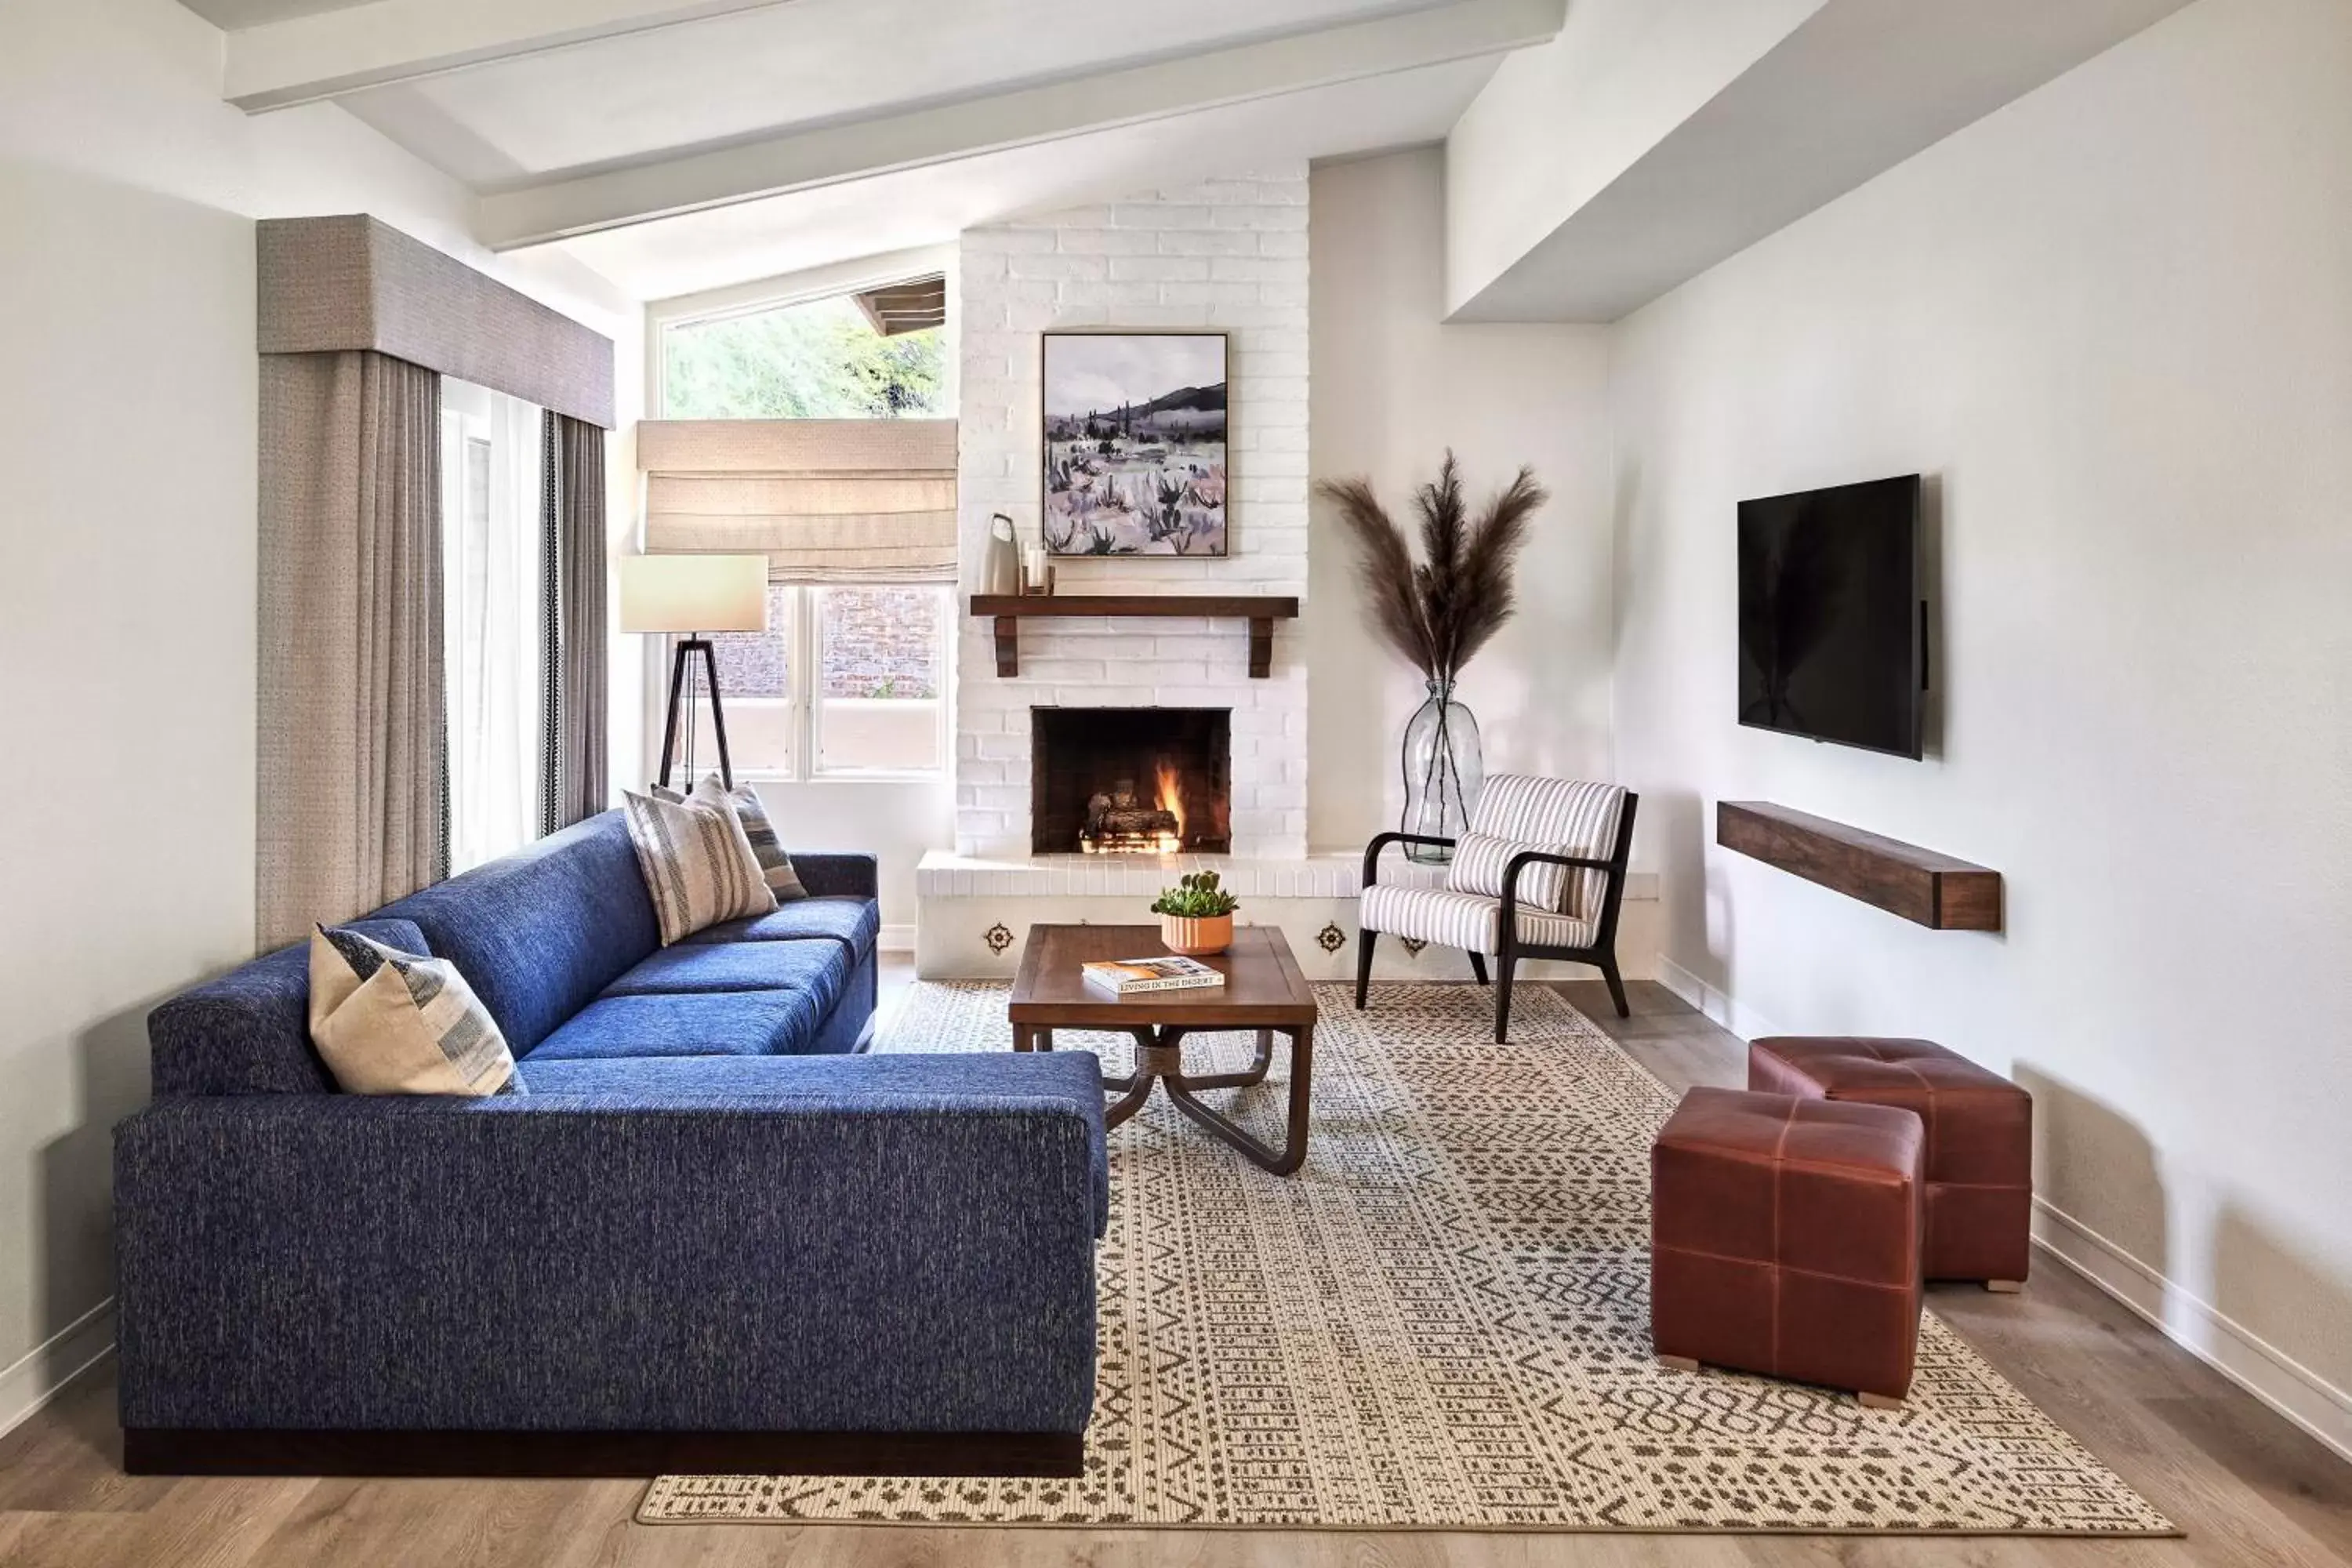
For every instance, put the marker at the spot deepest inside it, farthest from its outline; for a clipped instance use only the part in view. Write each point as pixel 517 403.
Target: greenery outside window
pixel 819 359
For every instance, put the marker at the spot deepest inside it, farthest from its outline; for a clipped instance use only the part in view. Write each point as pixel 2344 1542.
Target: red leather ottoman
pixel 1979 1139
pixel 1784 1238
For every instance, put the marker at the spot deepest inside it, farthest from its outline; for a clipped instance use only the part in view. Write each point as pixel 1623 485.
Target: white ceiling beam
pixel 565 206
pixel 277 65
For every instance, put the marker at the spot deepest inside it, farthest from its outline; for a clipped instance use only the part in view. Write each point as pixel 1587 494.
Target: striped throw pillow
pixel 1480 859
pixel 1567 816
pixel 389 1022
pixel 775 865
pixel 697 863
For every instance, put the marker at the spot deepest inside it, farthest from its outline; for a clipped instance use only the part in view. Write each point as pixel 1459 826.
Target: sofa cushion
pixel 704 1024
pixel 854 922
pixel 698 864
pixel 767 848
pixel 539 933
pixel 819 968
pixel 248 1032
pixel 392 1022
pixel 1075 1077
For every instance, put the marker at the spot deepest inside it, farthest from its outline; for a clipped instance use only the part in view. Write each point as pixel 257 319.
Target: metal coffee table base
pixel 1160 1059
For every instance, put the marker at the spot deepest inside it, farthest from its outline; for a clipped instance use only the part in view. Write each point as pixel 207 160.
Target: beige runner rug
pixel 1442 1323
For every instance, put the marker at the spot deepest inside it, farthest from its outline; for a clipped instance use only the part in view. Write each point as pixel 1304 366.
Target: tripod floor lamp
pixel 694 594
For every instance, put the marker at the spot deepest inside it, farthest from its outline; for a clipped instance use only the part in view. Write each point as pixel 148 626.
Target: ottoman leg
pixel 2004 1287
pixel 1678 1362
pixel 1877 1402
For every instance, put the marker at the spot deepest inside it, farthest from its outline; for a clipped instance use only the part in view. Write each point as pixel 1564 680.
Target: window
pixel 846 357
pixel 490 620
pixel 848 682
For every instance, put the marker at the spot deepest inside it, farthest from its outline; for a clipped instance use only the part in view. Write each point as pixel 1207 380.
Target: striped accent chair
pixel 1539 873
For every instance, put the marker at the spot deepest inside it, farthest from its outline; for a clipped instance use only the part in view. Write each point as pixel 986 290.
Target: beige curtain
pixel 863 501
pixel 572 549
pixel 352 786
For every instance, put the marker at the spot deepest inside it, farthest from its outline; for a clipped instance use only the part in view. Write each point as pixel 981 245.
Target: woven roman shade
pixel 869 501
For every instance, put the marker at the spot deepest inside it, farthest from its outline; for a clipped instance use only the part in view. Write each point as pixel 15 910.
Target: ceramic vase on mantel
pixel 999 571
pixel 1443 771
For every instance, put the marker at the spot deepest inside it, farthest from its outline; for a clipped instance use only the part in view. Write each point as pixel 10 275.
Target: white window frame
pixel 805 704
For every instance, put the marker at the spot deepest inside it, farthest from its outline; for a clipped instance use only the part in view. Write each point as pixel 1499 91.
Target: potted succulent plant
pixel 1196 916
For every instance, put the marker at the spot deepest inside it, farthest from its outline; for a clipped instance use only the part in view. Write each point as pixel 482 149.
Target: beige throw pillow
pixel 698 865
pixel 775 865
pixel 389 1022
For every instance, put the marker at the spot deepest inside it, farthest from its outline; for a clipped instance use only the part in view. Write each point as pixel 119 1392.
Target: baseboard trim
pixel 631 1455
pixel 2237 1353
pixel 895 939
pixel 1720 1007
pixel 2304 1398
pixel 39 1377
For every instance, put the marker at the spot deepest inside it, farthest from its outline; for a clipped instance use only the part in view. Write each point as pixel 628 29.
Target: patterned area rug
pixel 1442 1323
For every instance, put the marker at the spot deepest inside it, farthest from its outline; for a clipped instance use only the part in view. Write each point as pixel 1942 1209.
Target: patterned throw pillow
pixel 698 864
pixel 389 1022
pixel 1479 859
pixel 775 865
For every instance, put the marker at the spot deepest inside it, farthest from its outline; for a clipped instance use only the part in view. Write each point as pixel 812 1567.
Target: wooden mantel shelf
pixel 1936 890
pixel 1260 611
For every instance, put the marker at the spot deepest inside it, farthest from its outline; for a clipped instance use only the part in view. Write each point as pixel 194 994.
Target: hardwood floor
pixel 2247 1488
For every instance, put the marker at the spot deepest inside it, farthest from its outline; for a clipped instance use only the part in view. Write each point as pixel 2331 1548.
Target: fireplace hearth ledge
pixel 1334 874
pixel 974 910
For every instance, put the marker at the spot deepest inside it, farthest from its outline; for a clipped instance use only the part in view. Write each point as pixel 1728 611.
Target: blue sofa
pixel 711 1233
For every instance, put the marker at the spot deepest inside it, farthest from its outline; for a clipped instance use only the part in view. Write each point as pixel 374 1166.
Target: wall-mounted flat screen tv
pixel 1833 632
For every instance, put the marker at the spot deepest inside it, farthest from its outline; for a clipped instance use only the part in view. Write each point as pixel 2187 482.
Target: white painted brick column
pixel 1226 255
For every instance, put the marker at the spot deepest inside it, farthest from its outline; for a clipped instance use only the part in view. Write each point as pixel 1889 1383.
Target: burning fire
pixel 1172 801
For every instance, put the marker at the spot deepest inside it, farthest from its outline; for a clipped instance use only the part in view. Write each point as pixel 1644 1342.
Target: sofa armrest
pixel 839 875
pixel 890 1262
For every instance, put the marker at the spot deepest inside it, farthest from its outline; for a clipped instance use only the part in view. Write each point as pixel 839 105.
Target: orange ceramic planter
pixel 1196 938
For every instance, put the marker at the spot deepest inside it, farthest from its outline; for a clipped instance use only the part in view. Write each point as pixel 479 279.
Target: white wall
pixel 2112 323
pixel 1394 388
pixel 128 428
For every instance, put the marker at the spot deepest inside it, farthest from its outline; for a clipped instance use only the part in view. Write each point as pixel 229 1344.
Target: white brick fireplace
pixel 1226 255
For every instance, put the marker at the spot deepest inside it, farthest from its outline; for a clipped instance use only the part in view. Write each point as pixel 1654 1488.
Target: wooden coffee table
pixel 1262 991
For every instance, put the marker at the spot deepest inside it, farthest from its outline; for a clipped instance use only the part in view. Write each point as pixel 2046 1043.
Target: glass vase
pixel 1443 769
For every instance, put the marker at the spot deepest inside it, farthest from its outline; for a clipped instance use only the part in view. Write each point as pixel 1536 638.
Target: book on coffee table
pixel 1132 976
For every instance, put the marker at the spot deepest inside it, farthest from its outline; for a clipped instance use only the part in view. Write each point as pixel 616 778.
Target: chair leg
pixel 1616 985
pixel 1364 941
pixel 1506 961
pixel 1478 966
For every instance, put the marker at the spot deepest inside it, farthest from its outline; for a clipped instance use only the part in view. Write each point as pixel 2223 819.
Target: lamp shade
pixel 694 594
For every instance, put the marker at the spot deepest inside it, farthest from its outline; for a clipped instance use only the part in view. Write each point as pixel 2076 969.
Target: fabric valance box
pixel 329 285
pixel 824 499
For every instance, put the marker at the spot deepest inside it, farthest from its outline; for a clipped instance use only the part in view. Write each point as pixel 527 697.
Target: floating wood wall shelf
pixel 1260 611
pixel 1921 885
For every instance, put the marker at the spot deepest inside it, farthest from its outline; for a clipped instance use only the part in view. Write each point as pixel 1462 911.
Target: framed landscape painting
pixel 1134 444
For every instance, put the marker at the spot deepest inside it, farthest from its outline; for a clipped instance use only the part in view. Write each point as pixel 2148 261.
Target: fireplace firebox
pixel 1129 781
